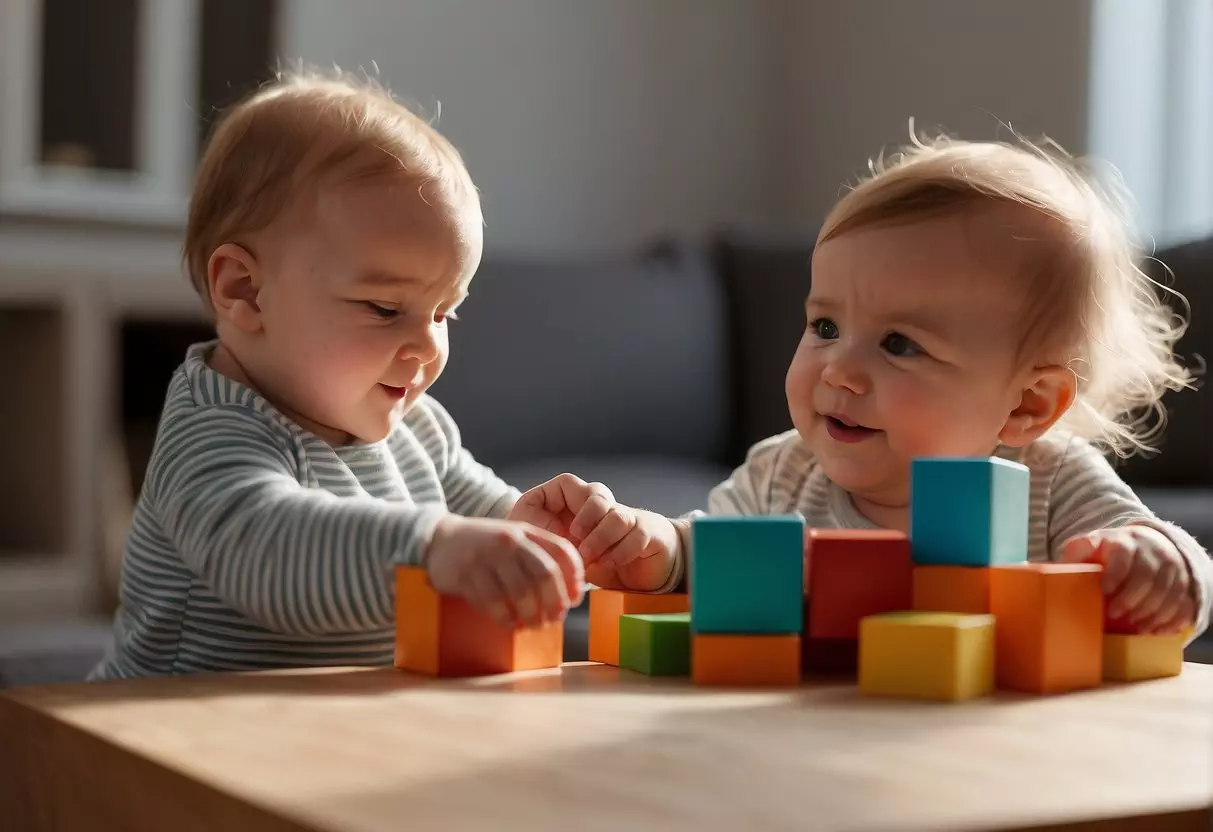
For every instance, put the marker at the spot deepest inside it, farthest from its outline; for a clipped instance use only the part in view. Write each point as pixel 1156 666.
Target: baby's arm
pixel 471 488
pixel 1087 496
pixel 294 559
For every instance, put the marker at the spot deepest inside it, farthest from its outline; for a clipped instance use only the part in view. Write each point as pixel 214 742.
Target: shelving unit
pixel 105 107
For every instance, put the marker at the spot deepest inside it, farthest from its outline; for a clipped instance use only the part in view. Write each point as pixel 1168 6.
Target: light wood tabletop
pixel 590 747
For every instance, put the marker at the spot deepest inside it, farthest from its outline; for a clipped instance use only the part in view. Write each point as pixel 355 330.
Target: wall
pixel 588 126
pixel 855 72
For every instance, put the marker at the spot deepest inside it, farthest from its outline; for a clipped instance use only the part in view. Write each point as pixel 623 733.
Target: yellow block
pixel 1135 657
pixel 927 655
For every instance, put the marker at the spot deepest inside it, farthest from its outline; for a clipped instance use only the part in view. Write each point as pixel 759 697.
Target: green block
pixel 656 644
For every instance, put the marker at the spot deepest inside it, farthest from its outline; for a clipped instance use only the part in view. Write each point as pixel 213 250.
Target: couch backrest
pixel 768 276
pixel 1186 448
pixel 555 358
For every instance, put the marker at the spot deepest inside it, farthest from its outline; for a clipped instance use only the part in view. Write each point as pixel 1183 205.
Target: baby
pixel 332 235
pixel 983 299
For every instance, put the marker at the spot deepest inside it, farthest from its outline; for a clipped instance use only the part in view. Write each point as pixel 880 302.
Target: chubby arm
pixel 293 559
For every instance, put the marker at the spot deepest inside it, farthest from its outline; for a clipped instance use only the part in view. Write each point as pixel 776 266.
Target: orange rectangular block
pixel 964 589
pixel 745 660
pixel 607 605
pixel 443 636
pixel 1048 627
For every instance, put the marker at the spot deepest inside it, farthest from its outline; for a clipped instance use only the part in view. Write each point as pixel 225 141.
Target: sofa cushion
pixel 591 358
pixel 666 485
pixel 1186 448
pixel 767 280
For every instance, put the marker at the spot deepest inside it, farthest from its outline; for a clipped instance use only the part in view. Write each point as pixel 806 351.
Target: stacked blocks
pixel 1050 626
pixel 747 599
pixel 440 635
pixel 1139 656
pixel 851 574
pixel 968 512
pixel 657 645
pixel 608 606
pixel 927 655
pixel 952 589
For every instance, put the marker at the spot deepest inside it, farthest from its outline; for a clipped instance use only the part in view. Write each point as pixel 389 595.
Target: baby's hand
pixel 519 575
pixel 623 548
pixel 1145 579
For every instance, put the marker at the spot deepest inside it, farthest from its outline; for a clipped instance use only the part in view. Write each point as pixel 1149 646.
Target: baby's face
pixel 909 351
pixel 355 307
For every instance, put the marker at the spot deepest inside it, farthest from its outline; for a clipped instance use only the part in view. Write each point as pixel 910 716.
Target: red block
pixel 853 573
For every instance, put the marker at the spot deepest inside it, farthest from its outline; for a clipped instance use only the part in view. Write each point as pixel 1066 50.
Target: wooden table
pixel 590 747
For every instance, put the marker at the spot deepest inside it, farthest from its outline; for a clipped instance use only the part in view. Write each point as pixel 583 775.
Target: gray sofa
pixel 670 366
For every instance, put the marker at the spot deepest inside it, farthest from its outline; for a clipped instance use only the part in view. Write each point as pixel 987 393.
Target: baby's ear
pixel 234 280
pixel 1048 394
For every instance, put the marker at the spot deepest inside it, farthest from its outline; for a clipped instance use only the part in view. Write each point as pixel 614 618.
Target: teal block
pixel 747 574
pixel 968 511
pixel 658 644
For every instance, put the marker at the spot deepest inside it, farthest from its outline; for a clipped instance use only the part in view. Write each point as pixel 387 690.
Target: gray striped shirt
pixel 255 544
pixel 1073 491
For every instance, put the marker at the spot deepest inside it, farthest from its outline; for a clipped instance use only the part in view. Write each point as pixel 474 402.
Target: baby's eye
pixel 385 312
pixel 897 344
pixel 824 328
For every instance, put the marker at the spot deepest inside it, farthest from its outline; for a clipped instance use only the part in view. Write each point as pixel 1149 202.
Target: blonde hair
pixel 299 131
pixel 1089 297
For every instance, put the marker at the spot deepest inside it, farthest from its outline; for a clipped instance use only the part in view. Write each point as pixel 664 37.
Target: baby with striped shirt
pixel 299 459
pixel 984 299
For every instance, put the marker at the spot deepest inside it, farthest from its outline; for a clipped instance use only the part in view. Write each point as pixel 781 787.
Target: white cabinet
pixel 104 105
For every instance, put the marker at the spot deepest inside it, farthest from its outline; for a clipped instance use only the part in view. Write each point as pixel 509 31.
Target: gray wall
pixel 855 72
pixel 588 125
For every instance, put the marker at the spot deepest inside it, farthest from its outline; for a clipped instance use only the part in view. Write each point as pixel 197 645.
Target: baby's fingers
pixel 612 530
pixel 563 573
pixel 598 503
pixel 523 587
pixel 485 592
pixel 1161 600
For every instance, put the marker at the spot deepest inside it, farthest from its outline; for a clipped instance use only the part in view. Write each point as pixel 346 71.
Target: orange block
pixel 443 636
pixel 1048 626
pixel 735 659
pixel 964 589
pixel 606 605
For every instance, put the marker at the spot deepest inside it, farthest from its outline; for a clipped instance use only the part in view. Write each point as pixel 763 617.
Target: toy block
pixel 658 645
pixel 747 574
pixel 1133 658
pixel 952 589
pixel 943 656
pixel 1049 637
pixel 968 511
pixel 852 574
pixel 441 635
pixel 745 660
pixel 1112 624
pixel 829 655
pixel 608 605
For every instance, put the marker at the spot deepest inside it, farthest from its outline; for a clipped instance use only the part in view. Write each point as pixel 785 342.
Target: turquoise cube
pixel 747 574
pixel 968 511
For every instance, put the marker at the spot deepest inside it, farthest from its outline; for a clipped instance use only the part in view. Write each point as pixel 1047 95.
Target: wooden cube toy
pixel 952 589
pixel 968 512
pixel 1049 637
pixel 657 645
pixel 942 656
pixel 439 635
pixel 747 574
pixel 606 607
pixel 1133 658
pixel 853 574
pixel 733 660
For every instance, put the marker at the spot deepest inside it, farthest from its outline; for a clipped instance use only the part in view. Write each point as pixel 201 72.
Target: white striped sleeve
pixel 293 559
pixel 1087 495
pixel 471 489
pixel 750 488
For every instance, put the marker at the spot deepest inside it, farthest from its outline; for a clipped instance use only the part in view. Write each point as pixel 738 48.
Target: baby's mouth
pixel 844 430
